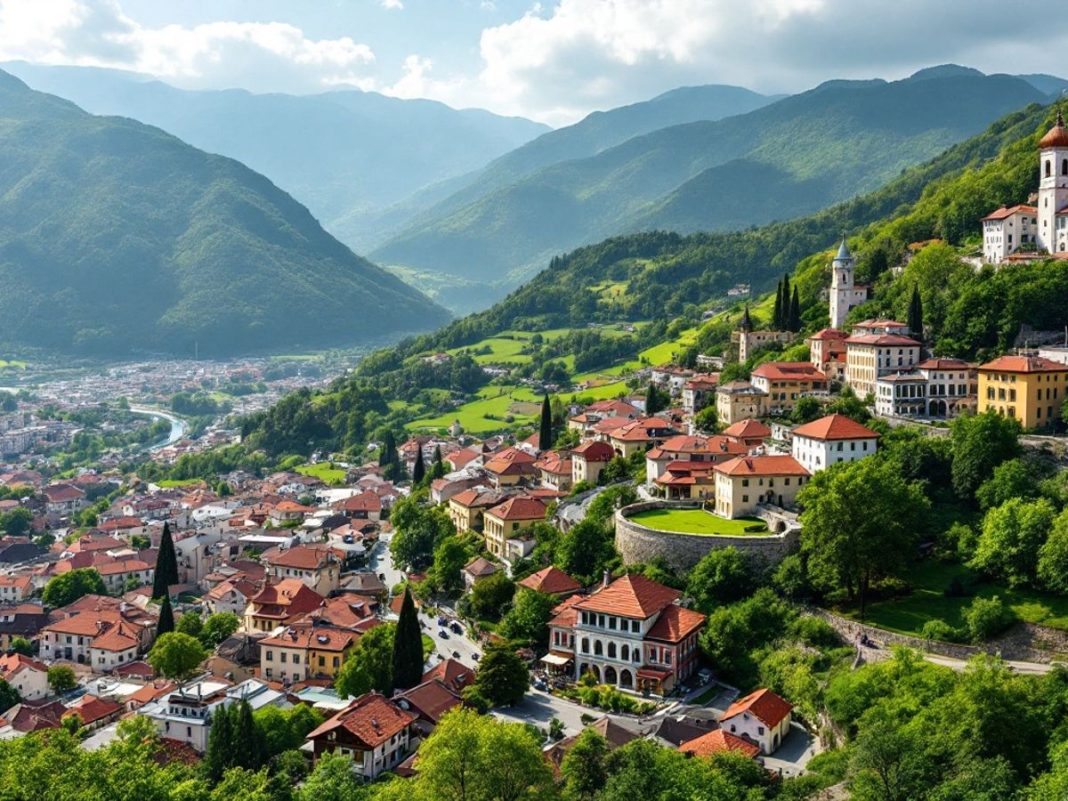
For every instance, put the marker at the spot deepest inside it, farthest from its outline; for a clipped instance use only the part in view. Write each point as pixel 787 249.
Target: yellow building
pixel 305 653
pixel 740 400
pixel 507 520
pixel 467 507
pixel 1030 388
pixel 747 481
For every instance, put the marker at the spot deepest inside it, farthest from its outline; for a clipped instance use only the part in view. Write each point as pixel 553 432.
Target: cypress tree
pixel 388 454
pixel 915 319
pixel 776 315
pixel 437 466
pixel 166 617
pixel 419 469
pixel 545 432
pixel 784 324
pixel 251 746
pixel 217 757
pixel 795 312
pixel 166 564
pixel 407 647
pixel 654 401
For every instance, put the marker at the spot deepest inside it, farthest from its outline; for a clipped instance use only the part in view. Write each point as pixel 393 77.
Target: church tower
pixel 1053 189
pixel 843 292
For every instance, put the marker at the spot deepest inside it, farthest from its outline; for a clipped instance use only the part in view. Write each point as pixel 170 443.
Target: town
pixel 693 564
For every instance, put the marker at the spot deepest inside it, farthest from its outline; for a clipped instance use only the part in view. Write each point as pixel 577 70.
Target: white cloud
pixel 392 5
pixel 416 81
pixel 271 56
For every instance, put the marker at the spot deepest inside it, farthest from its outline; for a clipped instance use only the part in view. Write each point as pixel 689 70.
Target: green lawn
pixel 497 401
pixel 324 472
pixel 928 601
pixel 698 521
pixel 177 482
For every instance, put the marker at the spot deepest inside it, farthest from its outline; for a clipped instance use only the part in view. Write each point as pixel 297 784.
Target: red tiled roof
pixel 120 637
pixel 372 718
pixel 316 638
pixel 747 429
pixel 432 699
pixel 944 364
pixel 1024 364
pixel 675 624
pixel 553 462
pixel 762 704
pixel 519 507
pixel 827 334
pixel 91 709
pixel 632 596
pixel 762 466
pixel 13 663
pixel 717 742
pixel 364 502
pixel 834 427
pixel 550 580
pixel 300 557
pixel 789 371
pixel 888 340
pixel 452 673
pixel 564 613
pixel 1004 212
pixel 595 452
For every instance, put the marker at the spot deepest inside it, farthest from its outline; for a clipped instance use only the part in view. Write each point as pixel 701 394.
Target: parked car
pixel 441 620
pixel 455 654
pixel 443 634
pixel 456 627
pixel 476 657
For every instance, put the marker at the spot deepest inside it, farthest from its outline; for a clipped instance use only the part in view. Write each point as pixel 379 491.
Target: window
pixel 270 656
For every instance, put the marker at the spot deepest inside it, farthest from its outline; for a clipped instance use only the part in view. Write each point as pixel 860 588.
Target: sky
pixel 554 61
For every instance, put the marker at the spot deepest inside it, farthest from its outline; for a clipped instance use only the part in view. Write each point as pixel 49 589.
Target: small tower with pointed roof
pixel 845 294
pixel 746 323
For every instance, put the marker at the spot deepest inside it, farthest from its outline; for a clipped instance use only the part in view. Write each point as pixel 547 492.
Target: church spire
pixel 747 323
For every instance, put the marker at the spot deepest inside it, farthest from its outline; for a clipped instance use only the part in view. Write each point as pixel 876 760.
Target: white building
pixel 952 386
pixel 901 395
pixel 1042 228
pixel 876 348
pixel 28 676
pixel 762 717
pixel 845 293
pixel 832 439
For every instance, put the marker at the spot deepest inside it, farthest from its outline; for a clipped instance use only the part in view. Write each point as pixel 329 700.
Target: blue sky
pixel 554 60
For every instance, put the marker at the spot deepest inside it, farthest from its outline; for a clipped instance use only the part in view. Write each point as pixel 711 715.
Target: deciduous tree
pixel 177 656
pixel 370 665
pixel 67 588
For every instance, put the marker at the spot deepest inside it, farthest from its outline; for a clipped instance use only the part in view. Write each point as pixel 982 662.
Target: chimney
pixel 606 578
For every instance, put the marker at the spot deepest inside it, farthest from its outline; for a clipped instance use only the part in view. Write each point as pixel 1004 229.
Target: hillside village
pixel 582 578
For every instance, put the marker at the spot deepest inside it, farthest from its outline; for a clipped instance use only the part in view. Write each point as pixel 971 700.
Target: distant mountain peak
pixel 945 71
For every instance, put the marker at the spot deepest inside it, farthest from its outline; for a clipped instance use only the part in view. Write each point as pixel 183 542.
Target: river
pixel 178 425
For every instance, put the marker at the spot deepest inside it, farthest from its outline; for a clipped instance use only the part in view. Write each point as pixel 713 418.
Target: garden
pixel 698 521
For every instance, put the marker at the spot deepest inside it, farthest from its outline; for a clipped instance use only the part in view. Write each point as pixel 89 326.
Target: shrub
pixel 939 630
pixel 815 632
pixel 986 617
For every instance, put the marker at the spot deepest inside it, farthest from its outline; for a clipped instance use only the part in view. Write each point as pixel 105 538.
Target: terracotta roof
pixel 675 624
pixel 763 704
pixel 888 340
pixel 150 692
pixel 315 638
pixel 833 427
pixel 717 742
pixel 553 462
pixel 789 371
pixel 826 334
pixel 287 598
pixel 762 466
pixel 452 673
pixel 300 557
pixel 432 699
pixel 481 566
pixel 519 508
pixel 595 452
pixel 364 502
pixel 639 430
pixel 120 637
pixel 564 614
pixel 92 709
pixel 944 364
pixel 632 596
pixel 550 580
pixel 59 493
pixel 1024 364
pixel 683 444
pixel 12 664
pixel 613 406
pixel 372 719
pixel 476 498
pixel 747 429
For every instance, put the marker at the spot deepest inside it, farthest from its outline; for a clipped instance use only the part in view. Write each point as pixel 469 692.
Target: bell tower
pixel 1053 188
pixel 842 288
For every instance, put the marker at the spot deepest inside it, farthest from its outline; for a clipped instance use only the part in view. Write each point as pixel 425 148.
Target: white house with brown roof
pixel 14 588
pixel 830 440
pixel 372 731
pixel 877 348
pixel 28 676
pixel 477 569
pixel 588 460
pixel 746 482
pixel 762 717
pixel 554 470
pixel 317 566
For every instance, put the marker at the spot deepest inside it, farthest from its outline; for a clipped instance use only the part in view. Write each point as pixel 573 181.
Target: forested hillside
pixel 786 159
pixel 347 155
pixel 117 238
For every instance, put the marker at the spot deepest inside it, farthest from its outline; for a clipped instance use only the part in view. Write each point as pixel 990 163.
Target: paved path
pixel 1029 668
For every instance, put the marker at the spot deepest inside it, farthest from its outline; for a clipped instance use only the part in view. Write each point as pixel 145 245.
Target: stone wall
pixel 638 543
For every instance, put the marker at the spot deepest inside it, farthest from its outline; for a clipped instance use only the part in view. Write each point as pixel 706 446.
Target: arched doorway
pixel 626 680
pixel 610 675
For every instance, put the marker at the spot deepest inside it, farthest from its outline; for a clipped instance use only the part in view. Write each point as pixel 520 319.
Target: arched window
pixel 624 653
pixel 585 645
pixel 597 648
pixel 1048 168
pixel 1064 166
pixel 611 650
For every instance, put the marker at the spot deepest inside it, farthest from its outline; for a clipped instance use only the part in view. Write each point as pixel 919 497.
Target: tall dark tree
pixel 654 399
pixel 794 321
pixel 915 319
pixel 166 616
pixel 166 564
pixel 387 457
pixel 407 647
pixel 784 305
pixel 545 431
pixel 218 756
pixel 776 315
pixel 419 468
pixel 437 466
pixel 251 751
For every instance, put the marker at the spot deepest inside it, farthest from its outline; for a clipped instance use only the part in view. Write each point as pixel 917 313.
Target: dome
pixel 1056 137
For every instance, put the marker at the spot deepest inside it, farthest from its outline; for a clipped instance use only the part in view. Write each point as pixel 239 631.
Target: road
pixel 1029 668
pixel 178 425
pixel 381 562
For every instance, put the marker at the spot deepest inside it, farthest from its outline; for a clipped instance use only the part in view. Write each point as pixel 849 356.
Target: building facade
pixel 1031 389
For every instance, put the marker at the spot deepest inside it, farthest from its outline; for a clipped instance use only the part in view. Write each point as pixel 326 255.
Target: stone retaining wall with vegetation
pixel 638 543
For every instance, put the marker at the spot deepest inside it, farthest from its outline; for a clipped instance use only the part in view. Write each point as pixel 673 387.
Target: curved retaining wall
pixel 638 543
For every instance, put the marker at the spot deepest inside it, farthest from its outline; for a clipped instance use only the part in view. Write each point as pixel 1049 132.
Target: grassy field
pixel 323 471
pixel 698 521
pixel 177 482
pixel 496 401
pixel 928 601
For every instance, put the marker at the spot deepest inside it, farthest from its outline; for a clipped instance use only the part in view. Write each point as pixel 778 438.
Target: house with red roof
pixel 690 448
pixel 630 633
pixel 952 386
pixel 305 652
pixel 15 588
pixel 589 459
pixel 877 348
pixel 830 440
pixel 455 674
pixel 373 731
pixel 554 470
pixel 279 604
pixel 762 717
pixel 640 435
pixel 551 580
pixel 719 741
pixel 467 509
pixel 506 524
pixel 510 467
pixel 749 432
pixel 746 482
pixel 697 392
pixel 28 676
pixel 364 506
pixel 429 700
pixel 318 566
pixel 787 382
pixel 94 712
pixel 827 352
pixel 1030 389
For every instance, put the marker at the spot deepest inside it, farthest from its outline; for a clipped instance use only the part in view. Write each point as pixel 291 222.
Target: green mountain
pixel 786 159
pixel 116 237
pixel 347 155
